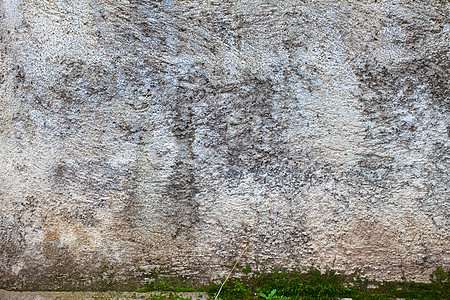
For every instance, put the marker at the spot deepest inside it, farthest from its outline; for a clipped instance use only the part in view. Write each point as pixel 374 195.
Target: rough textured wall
pixel 145 134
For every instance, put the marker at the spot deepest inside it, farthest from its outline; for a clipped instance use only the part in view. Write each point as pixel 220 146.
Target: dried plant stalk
pixel 230 272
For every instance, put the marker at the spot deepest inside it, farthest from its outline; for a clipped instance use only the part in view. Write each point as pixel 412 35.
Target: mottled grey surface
pixel 136 135
pixel 9 295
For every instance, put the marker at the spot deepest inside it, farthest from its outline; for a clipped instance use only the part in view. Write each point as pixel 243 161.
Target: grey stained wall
pixel 137 135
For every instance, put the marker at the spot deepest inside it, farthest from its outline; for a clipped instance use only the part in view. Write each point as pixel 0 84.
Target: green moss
pixel 247 269
pixel 161 280
pixel 308 285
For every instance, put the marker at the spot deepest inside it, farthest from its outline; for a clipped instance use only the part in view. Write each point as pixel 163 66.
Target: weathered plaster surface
pixel 145 134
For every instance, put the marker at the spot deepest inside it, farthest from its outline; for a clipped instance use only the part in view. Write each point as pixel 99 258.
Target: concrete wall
pixel 136 135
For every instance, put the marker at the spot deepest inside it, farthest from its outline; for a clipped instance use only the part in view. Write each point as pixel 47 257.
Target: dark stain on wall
pixel 182 189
